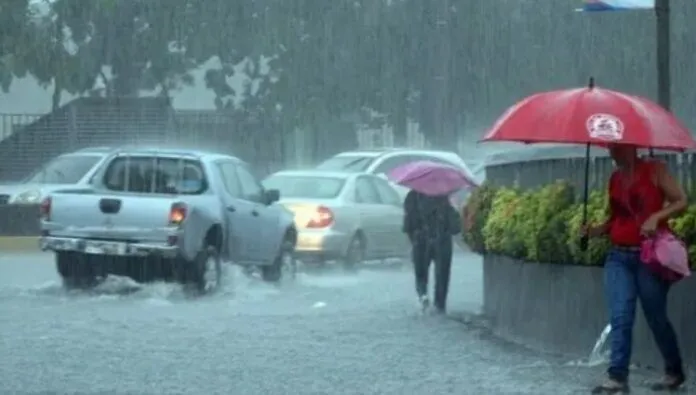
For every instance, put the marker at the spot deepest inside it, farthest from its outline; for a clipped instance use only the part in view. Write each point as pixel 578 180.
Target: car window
pixel 152 174
pixel 68 169
pixel 299 186
pixel 386 193
pixel 393 162
pixel 353 163
pixel 365 192
pixel 229 179
pixel 251 188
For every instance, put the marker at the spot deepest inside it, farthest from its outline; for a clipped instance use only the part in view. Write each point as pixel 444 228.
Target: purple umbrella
pixel 431 178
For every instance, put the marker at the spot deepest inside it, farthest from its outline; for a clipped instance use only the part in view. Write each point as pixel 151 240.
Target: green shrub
pixel 499 232
pixel 684 227
pixel 597 213
pixel 474 217
pixel 545 225
pixel 553 246
pixel 523 223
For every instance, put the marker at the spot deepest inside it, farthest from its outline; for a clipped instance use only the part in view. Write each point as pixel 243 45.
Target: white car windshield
pixel 67 169
pixel 347 163
pixel 310 187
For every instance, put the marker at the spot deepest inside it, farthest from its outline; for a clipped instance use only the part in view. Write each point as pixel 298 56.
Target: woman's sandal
pixel 669 383
pixel 611 387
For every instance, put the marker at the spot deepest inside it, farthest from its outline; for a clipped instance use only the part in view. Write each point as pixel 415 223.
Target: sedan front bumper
pixel 103 247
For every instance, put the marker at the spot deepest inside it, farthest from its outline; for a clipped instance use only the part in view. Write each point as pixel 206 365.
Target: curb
pixel 19 244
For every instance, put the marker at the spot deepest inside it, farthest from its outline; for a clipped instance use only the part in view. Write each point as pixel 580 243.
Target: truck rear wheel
pixel 74 270
pixel 204 273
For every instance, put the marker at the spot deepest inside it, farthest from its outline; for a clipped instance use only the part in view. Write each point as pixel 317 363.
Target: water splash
pixel 599 354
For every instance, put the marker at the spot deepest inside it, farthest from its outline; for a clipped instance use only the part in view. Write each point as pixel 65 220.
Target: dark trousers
pixel 426 251
pixel 627 279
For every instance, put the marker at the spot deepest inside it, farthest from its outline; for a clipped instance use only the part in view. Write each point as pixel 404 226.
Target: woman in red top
pixel 643 196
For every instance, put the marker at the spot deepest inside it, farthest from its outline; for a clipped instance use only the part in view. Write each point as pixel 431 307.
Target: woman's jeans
pixel 626 279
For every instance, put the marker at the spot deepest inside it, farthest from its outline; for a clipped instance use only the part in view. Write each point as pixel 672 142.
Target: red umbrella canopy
pixel 591 115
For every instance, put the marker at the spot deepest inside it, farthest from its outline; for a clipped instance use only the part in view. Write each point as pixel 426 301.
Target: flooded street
pixel 330 333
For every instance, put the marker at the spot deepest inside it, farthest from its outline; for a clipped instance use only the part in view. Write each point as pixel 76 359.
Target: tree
pixel 389 60
pixel 15 29
pixel 128 45
pixel 142 43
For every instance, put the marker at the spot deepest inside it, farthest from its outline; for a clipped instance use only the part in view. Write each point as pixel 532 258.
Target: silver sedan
pixel 344 216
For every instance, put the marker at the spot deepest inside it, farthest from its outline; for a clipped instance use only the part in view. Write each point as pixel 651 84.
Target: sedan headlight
pixel 28 197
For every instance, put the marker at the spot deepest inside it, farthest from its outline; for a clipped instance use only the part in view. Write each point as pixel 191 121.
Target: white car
pixel 381 162
pixel 342 216
pixel 73 169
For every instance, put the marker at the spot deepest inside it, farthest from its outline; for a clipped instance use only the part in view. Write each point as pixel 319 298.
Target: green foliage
pixel 531 225
pixel 684 227
pixel 500 233
pixel 474 217
pixel 545 223
pixel 311 63
pixel 597 213
pixel 15 30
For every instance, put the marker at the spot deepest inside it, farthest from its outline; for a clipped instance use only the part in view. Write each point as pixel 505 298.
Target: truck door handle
pixel 231 209
pixel 255 213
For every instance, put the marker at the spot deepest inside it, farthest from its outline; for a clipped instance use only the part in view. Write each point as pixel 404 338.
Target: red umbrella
pixel 594 116
pixel 591 116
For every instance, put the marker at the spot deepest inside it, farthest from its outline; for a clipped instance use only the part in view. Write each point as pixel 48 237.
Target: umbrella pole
pixel 663 50
pixel 663 55
pixel 584 241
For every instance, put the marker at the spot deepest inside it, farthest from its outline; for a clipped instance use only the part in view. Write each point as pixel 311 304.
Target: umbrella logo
pixel 605 127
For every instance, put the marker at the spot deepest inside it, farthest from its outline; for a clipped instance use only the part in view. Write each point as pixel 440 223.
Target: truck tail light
pixel 45 209
pixel 177 214
pixel 322 217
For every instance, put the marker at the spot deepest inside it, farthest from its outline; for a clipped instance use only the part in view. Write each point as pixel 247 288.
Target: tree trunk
pixel 57 93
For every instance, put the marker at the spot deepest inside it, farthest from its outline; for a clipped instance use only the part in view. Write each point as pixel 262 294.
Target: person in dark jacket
pixel 430 222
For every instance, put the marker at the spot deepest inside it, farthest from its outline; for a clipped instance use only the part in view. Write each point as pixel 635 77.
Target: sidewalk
pixel 466 284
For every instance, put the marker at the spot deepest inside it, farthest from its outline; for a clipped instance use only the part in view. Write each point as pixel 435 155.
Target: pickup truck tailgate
pixel 110 217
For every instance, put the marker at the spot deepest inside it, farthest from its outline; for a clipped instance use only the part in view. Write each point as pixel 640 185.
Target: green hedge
pixel 543 225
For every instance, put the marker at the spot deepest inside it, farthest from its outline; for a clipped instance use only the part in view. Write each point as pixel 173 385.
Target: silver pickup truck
pixel 164 214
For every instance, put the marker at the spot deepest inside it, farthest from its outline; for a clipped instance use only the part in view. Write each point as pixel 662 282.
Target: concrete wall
pixel 561 308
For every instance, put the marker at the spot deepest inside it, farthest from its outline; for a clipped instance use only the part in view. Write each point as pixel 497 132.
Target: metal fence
pixel 27 141
pixel 536 173
pixel 12 122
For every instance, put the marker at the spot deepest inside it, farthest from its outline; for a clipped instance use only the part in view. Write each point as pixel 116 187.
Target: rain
pixel 288 84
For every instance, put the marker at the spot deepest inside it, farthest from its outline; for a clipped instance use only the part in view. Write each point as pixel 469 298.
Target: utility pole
pixel 441 74
pixel 663 42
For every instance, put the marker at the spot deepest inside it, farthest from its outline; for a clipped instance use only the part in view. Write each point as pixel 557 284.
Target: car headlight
pixel 28 197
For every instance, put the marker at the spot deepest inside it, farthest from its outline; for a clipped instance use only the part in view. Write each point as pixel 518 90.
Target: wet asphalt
pixel 328 333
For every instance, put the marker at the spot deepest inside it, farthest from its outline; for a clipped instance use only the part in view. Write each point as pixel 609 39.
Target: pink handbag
pixel 666 255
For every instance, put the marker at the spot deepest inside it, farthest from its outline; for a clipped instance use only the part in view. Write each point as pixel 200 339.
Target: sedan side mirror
pixel 272 196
